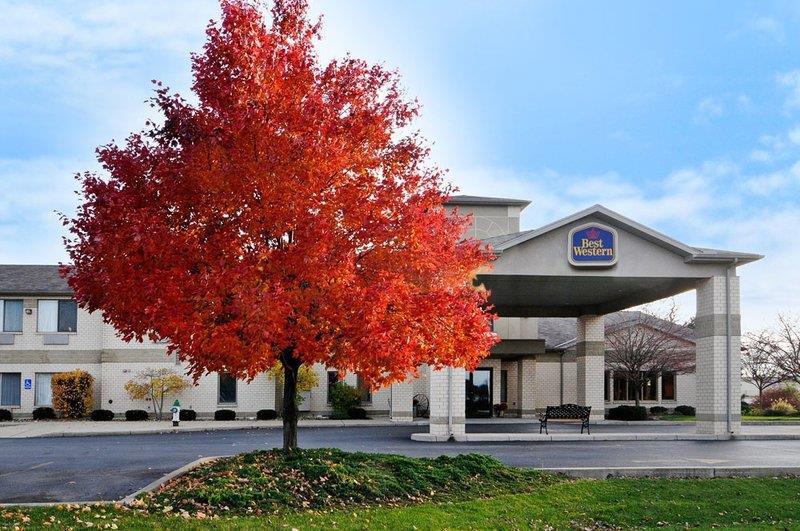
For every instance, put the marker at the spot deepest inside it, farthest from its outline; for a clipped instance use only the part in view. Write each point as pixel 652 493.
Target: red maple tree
pixel 289 215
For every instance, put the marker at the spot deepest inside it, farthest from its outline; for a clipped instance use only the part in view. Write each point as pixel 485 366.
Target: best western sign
pixel 593 245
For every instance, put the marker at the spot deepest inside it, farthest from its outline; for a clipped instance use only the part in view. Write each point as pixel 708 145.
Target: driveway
pixel 110 467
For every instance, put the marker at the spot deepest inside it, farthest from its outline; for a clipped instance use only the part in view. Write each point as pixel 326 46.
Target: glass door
pixel 479 393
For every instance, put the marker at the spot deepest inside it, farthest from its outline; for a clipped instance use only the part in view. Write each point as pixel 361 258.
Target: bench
pixel 566 411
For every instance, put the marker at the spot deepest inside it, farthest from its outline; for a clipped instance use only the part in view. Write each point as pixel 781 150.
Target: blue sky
pixel 684 116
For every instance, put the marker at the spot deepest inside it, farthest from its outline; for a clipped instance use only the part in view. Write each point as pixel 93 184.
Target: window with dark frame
pixel 227 389
pixel 504 386
pixel 57 316
pixel 624 390
pixel 366 394
pixel 333 379
pixel 11 315
pixel 10 389
pixel 606 377
pixel 668 385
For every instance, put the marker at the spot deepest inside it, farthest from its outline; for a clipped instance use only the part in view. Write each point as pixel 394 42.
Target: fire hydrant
pixel 176 413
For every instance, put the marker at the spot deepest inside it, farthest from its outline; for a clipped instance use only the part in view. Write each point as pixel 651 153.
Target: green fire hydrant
pixel 176 413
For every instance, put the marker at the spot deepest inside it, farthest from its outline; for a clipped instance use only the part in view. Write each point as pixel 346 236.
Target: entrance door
pixel 479 393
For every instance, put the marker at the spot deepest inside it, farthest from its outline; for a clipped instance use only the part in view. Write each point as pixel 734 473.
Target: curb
pixel 535 437
pixel 166 477
pixel 127 500
pixel 166 430
pixel 675 472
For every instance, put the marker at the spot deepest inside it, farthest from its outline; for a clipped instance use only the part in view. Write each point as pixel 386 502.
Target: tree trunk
pixel 637 393
pixel 291 367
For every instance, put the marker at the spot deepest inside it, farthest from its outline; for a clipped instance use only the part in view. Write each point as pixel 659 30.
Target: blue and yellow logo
pixel 593 245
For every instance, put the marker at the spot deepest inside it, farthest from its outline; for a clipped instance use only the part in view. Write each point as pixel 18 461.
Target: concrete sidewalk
pixel 478 430
pixel 649 432
pixel 88 428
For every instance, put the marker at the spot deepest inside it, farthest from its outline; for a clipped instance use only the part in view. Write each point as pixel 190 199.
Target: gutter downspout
pixel 728 343
pixel 449 402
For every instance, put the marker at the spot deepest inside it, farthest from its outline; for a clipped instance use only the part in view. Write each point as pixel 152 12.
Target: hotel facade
pixel 555 289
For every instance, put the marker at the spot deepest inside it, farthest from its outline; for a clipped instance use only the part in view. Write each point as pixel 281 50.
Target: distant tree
pixel 782 343
pixel 759 353
pixel 288 213
pixel 307 379
pixel 645 346
pixel 155 385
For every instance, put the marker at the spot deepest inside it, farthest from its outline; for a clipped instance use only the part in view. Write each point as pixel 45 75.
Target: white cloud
pixel 767 27
pixel 759 155
pixel 30 231
pixel 791 81
pixel 767 184
pixel 710 108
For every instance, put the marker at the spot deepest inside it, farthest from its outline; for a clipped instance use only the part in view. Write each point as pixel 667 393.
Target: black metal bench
pixel 566 412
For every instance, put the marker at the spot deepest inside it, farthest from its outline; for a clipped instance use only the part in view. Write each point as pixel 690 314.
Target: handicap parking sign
pixel 28 383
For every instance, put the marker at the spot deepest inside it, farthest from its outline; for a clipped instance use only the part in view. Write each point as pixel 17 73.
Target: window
pixel 10 388
pixel 626 390
pixel 333 379
pixel 504 386
pixel 606 377
pixel 668 386
pixel 44 390
pixel 11 315
pixel 620 387
pixel 366 394
pixel 227 389
pixel 649 389
pixel 57 316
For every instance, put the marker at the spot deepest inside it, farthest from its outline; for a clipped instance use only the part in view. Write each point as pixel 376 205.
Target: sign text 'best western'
pixel 593 245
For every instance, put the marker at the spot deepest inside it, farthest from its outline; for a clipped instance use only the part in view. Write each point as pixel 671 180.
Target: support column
pixel 591 357
pixel 402 401
pixel 526 377
pixel 447 402
pixel 718 376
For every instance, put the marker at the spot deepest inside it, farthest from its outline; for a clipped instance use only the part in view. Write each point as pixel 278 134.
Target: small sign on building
pixel 593 245
pixel 28 383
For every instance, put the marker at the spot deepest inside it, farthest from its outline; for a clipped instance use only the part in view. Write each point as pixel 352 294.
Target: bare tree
pixel 784 345
pixel 645 345
pixel 758 361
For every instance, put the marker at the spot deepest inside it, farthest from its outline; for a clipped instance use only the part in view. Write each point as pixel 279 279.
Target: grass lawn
pixel 360 491
pixel 745 418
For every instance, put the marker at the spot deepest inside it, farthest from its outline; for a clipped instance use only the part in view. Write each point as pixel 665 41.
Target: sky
pixel 684 116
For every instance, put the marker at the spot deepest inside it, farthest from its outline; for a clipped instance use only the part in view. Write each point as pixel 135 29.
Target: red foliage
pixel 769 396
pixel 289 212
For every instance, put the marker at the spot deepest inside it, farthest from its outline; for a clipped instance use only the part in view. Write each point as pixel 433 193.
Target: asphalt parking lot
pixel 111 467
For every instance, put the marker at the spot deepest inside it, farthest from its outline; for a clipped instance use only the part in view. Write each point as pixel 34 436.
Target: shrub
pixel 102 415
pixel 343 397
pixel 136 414
pixel 658 410
pixel 780 408
pixel 357 413
pixel 72 393
pixel 266 414
pixel 187 414
pixel 687 411
pixel 44 413
pixel 323 480
pixel 746 408
pixel 5 415
pixel 224 414
pixel 627 413
pixel 785 392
